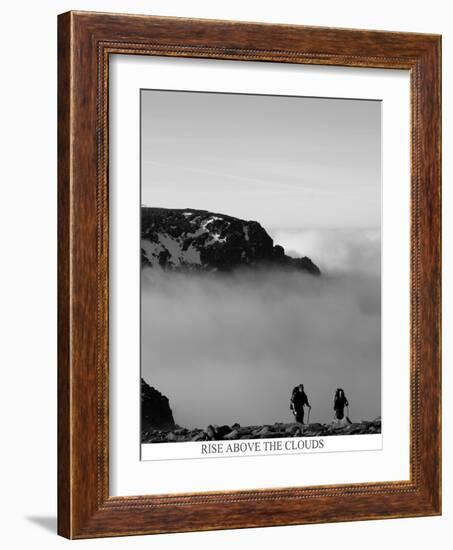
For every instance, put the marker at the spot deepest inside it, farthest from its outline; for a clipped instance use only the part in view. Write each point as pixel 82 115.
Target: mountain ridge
pixel 201 240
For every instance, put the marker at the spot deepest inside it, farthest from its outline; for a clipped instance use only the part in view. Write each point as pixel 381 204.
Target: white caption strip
pixel 260 447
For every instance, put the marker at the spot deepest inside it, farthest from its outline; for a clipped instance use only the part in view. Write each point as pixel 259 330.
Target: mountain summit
pixel 199 240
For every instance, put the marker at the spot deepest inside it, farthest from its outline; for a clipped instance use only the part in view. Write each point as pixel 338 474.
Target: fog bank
pixel 230 348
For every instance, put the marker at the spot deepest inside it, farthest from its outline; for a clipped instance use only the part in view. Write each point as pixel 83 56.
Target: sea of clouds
pixel 230 348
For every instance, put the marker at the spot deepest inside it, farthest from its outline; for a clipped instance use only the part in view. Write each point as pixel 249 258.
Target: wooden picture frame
pixel 85 42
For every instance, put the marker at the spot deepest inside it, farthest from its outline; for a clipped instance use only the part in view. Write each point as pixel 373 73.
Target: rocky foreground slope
pixel 277 430
pixel 199 240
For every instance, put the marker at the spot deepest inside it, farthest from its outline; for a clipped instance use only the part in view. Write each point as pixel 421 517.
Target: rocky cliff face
pixel 199 240
pixel 156 411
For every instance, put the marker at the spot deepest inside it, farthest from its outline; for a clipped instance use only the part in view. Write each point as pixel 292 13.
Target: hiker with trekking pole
pixel 339 403
pixel 298 401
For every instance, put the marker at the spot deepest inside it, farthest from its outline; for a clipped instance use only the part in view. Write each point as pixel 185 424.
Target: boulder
pixel 292 429
pixel 264 433
pixel 234 434
pixel 210 431
pixel 314 427
pixel 222 431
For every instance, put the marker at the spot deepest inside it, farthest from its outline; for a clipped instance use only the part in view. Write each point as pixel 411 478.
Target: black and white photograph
pixel 260 252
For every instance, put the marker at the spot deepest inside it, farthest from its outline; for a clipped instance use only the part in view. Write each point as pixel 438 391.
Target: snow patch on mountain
pixel 171 250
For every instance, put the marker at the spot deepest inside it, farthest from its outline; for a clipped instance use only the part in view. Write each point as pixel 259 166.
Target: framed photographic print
pixel 249 275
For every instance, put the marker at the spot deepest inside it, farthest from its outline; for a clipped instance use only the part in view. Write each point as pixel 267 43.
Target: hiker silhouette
pixel 339 403
pixel 298 400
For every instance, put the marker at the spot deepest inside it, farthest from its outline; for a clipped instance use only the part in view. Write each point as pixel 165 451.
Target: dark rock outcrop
pixel 205 241
pixel 156 411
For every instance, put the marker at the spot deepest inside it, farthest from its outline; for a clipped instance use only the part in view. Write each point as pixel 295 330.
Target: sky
pixel 231 349
pixel 287 162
